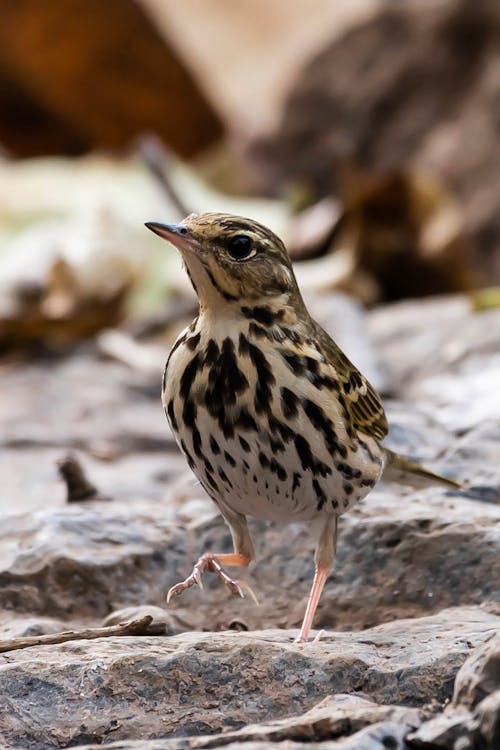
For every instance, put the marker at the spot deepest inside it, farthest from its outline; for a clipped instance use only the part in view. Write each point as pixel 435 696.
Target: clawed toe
pixel 210 563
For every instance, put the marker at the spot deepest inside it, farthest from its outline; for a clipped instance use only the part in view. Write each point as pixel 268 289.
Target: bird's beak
pixel 177 234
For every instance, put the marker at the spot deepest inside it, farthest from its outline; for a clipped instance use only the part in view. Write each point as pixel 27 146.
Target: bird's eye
pixel 240 247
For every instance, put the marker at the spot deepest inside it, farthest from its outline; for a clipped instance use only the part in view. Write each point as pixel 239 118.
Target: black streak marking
pixel 188 455
pixel 289 402
pixel 193 341
pixel 276 445
pixel 189 375
pixel 278 469
pixel 304 452
pixel 281 428
pixel 262 315
pixel 235 380
pixel 320 421
pixel 367 483
pixel 319 494
pixel 225 382
pixel 307 459
pixel 263 460
pixel 245 421
pixel 227 296
pixel 211 353
pixel 179 341
pixel 229 459
pixel 257 331
pixel 171 415
pixel 265 378
pixel 224 477
pixel 244 444
pixel 211 481
pixel 214 445
pixel 294 362
pixel 189 414
pixel 197 442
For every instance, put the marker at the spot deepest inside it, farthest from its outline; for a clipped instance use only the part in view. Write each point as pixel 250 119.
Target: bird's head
pixel 230 259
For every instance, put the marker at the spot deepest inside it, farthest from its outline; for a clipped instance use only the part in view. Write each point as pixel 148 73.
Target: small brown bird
pixel 273 419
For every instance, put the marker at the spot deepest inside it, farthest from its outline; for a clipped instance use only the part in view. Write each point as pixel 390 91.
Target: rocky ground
pixel 409 658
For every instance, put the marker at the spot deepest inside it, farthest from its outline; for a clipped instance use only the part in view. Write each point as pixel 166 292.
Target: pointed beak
pixel 177 234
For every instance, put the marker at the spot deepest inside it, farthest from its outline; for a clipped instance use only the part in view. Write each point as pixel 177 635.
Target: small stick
pixel 134 627
pixel 157 159
pixel 78 487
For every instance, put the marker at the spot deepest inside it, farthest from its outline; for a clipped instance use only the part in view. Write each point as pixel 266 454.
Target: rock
pixel 379 736
pixel 479 677
pixel 394 560
pixel 69 414
pixel 366 724
pixel 487 715
pixel 86 562
pixel 444 732
pixel 21 625
pixel 162 621
pixel 196 683
pixel 474 714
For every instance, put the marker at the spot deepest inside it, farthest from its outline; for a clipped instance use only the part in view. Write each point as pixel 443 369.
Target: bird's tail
pixel 404 470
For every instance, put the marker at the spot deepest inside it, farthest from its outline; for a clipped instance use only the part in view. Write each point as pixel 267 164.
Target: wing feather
pixel 361 400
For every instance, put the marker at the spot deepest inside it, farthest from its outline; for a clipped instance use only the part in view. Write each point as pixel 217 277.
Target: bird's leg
pixel 212 562
pixel 323 560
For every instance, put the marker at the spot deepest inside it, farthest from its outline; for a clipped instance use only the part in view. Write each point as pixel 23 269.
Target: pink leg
pixel 213 562
pixel 320 577
pixel 324 559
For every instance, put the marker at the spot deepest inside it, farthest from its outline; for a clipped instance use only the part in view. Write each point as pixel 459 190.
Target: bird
pixel 272 417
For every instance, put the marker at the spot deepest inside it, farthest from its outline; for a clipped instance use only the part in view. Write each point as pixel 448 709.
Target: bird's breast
pixel 262 426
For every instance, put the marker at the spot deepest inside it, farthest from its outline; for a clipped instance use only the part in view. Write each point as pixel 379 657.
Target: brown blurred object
pixel 396 236
pixel 80 74
pixel 406 234
pixel 60 312
pixel 414 88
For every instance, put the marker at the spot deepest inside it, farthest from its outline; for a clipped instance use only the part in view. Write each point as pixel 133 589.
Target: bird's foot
pixel 209 563
pixel 304 639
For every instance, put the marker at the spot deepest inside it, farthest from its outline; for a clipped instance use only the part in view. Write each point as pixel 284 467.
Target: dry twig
pixel 134 627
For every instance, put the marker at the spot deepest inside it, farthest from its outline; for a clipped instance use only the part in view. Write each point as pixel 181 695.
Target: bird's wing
pixel 361 400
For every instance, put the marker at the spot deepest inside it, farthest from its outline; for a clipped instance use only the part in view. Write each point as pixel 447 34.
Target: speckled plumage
pixel 272 417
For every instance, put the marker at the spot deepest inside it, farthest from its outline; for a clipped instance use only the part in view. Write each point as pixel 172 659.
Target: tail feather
pixel 403 469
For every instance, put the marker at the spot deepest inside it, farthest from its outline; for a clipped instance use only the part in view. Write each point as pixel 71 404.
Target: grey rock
pixel 399 555
pixel 195 683
pixel 487 717
pixel 162 622
pixel 382 736
pixel 442 355
pixel 479 677
pixel 472 720
pixel 444 732
pixel 52 405
pixel 86 561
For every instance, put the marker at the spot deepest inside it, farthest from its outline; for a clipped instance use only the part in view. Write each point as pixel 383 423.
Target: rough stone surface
pixel 204 683
pixel 480 675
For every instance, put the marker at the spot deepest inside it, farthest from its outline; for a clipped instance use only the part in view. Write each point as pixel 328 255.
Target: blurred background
pixel 364 132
